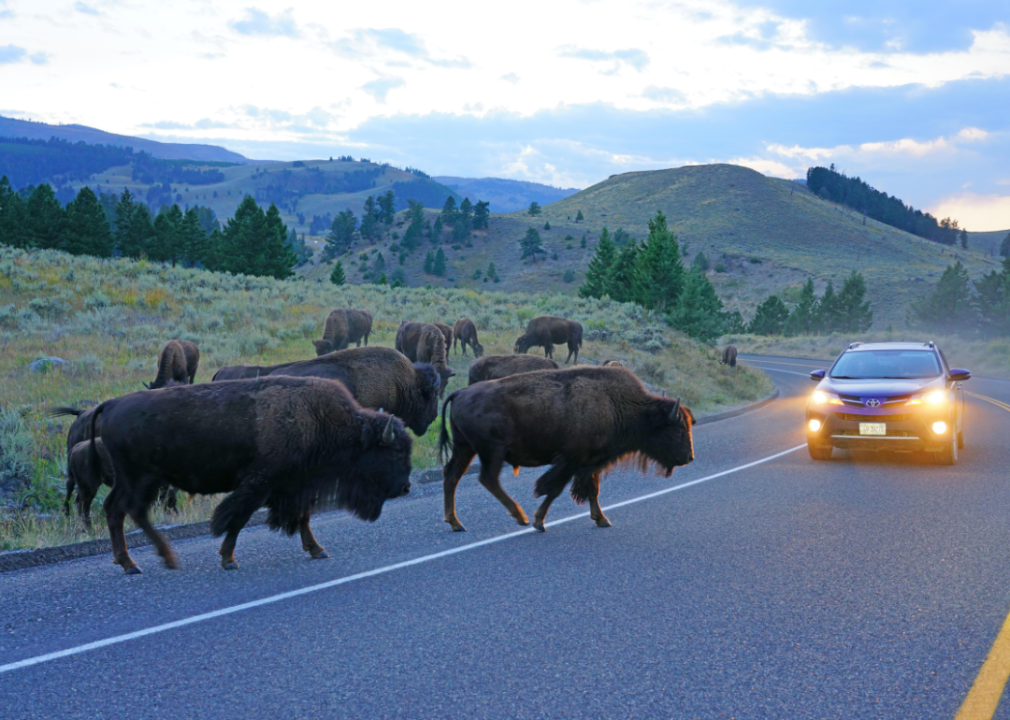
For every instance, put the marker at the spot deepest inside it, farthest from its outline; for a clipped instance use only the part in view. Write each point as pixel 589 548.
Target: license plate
pixel 873 428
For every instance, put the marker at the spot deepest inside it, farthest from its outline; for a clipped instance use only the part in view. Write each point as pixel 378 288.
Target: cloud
pixel 85 8
pixel 979 213
pixel 257 22
pixel 637 59
pixel 896 25
pixel 11 54
pixel 663 94
pixel 511 78
pixel 39 58
pixel 4 12
pixel 381 87
pixel 369 42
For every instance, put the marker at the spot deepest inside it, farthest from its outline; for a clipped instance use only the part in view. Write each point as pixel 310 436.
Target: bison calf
pixel 424 342
pixel 280 442
pixel 579 421
pixel 548 331
pixel 177 363
pixel 493 367
pixel 465 332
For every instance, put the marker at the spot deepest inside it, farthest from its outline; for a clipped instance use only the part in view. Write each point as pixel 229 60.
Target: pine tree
pixel 13 216
pixel 855 315
pixel 547 225
pixel 660 270
pixel 492 272
pixel 466 210
pixel 429 263
pixel 579 217
pixel 948 308
pixel 370 218
pixel 168 245
pixel 279 259
pixel 598 272
pixel 46 219
pixel 699 311
pixel 438 267
pixel 139 234
pixel 387 207
pixel 449 211
pixel 337 277
pixel 124 216
pixel 376 273
pixel 436 231
pixel 531 244
pixel 535 209
pixel 87 228
pixel 801 319
pixel 341 234
pixel 992 302
pixel 623 278
pixel 964 239
pixel 1004 247
pixel 770 317
pixel 412 235
pixel 827 319
pixel 193 238
pixel 481 215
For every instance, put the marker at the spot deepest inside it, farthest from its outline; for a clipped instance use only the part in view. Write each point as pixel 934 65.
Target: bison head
pixel 523 343
pixel 381 468
pixel 427 386
pixel 478 350
pixel 322 347
pixel 668 439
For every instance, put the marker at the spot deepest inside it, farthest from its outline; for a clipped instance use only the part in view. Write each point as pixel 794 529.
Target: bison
pixel 343 327
pixel 281 442
pixel 377 377
pixel 548 331
pixel 729 356
pixel 79 474
pixel 493 367
pixel 446 334
pixel 465 332
pixel 424 342
pixel 177 364
pixel 580 421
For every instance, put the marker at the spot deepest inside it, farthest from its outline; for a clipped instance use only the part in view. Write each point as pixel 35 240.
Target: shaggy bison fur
pixel 547 331
pixel 580 421
pixel 465 332
pixel 446 334
pixel 280 442
pixel 177 363
pixel 729 356
pixel 424 342
pixel 343 327
pixel 378 377
pixel 493 367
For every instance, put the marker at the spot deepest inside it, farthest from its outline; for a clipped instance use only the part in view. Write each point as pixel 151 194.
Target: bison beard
pixel 581 422
pixel 285 443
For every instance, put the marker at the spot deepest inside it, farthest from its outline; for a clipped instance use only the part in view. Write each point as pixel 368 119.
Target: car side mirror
pixel 817 375
pixel 959 375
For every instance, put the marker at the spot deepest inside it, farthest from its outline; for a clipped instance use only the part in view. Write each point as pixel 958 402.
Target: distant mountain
pixel 505 196
pixel 12 128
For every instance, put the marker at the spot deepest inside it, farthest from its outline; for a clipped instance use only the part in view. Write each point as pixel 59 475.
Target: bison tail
pixel 94 459
pixel 444 442
pixel 60 411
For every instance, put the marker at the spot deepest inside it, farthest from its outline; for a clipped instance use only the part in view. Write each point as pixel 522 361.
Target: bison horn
pixel 146 386
pixel 664 393
pixel 676 410
pixel 389 434
pixel 438 381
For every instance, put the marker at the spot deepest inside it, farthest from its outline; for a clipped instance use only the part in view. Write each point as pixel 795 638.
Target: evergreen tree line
pixel 652 274
pixel 31 162
pixel 969 309
pixel 856 194
pixel 150 171
pixel 844 311
pixel 253 242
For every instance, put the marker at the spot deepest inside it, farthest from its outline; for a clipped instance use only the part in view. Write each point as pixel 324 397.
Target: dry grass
pixel 108 318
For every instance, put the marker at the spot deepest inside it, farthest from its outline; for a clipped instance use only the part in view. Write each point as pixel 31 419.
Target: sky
pixel 912 99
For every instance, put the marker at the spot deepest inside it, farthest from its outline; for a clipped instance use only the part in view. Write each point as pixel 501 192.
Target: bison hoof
pixel 602 522
pixel 230 565
pixel 321 555
pixel 133 570
pixel 538 525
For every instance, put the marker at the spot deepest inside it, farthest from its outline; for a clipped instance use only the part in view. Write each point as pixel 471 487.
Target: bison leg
pixel 549 485
pixel 462 456
pixel 309 543
pixel 232 515
pixel 489 472
pixel 114 517
pixel 549 351
pixel 160 543
pixel 168 497
pixel 573 350
pixel 70 492
pixel 588 485
pixel 85 496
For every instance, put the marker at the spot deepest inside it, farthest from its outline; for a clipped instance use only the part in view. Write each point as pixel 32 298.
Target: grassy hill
pixel 987 242
pixel 769 235
pixel 107 319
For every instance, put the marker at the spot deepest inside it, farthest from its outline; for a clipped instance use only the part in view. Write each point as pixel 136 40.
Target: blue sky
pixel 911 96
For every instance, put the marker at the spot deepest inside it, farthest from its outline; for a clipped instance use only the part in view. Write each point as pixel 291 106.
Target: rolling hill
pixel 504 195
pixel 767 235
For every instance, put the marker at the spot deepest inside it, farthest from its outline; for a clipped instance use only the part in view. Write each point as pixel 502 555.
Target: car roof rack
pixel 855 344
pixel 929 344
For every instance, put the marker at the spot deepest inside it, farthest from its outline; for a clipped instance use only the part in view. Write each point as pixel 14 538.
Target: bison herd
pixel 333 430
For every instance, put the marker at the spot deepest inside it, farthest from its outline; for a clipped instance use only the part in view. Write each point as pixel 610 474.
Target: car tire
pixel 960 440
pixel 948 456
pixel 819 453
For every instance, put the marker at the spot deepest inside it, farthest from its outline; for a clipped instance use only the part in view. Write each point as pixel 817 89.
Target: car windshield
pixel 886 364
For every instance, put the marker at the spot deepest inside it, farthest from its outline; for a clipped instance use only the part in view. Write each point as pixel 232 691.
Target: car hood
pixel 881 388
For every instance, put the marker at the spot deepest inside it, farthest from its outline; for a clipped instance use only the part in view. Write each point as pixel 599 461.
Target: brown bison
pixel 446 334
pixel 493 367
pixel 280 442
pixel 377 377
pixel 729 356
pixel 580 421
pixel 465 332
pixel 177 364
pixel 343 327
pixel 424 342
pixel 548 331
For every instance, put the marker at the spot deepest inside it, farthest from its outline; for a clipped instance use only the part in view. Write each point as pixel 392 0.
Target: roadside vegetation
pixel 79 330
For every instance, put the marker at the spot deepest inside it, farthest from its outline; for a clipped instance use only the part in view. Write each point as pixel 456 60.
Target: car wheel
pixel 960 440
pixel 948 456
pixel 819 453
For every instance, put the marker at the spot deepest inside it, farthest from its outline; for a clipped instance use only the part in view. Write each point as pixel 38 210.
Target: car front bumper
pixel 905 431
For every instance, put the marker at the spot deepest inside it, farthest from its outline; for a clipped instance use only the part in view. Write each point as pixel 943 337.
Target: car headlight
pixel 936 399
pixel 820 397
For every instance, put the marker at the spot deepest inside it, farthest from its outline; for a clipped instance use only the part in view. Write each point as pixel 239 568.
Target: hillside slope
pixel 9 127
pixel 768 235
pixel 504 195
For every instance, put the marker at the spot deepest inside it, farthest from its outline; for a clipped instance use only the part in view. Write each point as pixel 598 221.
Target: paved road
pixel 865 587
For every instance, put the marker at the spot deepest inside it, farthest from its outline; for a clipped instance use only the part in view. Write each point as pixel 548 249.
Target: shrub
pixel 15 450
pixel 569 275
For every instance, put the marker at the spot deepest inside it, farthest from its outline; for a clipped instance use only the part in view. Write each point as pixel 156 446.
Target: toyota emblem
pixel 872 403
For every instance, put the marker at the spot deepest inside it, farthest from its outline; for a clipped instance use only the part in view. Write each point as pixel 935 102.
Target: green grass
pixel 109 318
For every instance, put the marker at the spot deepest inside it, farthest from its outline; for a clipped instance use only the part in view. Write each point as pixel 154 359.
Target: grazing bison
pixel 614 364
pixel 424 342
pixel 465 332
pixel 378 377
pixel 548 331
pixel 280 442
pixel 446 335
pixel 177 364
pixel 343 327
pixel 493 367
pixel 729 356
pixel 580 421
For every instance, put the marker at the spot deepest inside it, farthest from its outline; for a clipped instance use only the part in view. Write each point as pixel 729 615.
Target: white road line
pixel 116 640
pixel 806 375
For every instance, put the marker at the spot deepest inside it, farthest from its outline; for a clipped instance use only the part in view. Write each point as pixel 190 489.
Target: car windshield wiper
pixel 845 377
pixel 905 377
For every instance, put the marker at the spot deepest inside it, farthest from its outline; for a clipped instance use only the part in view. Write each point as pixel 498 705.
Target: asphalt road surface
pixel 863 587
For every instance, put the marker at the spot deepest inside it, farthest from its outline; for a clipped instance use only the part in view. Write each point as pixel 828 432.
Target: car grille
pixel 857 401
pixel 893 433
pixel 874 418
